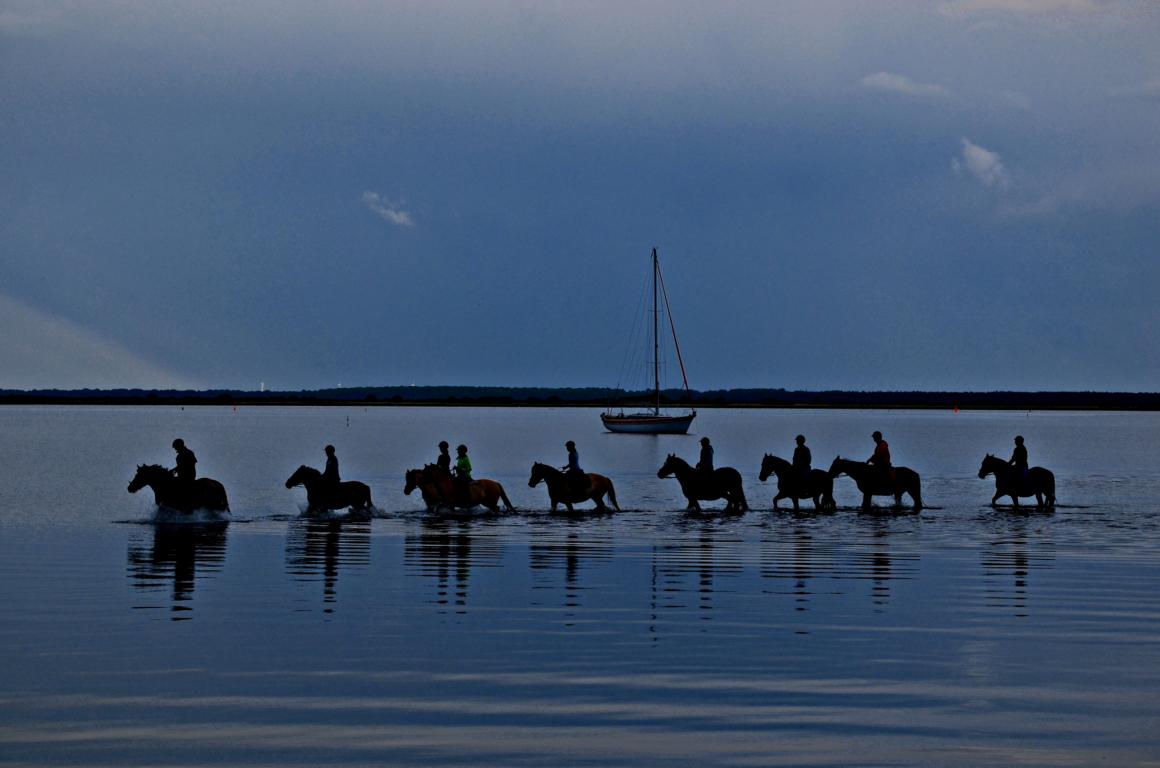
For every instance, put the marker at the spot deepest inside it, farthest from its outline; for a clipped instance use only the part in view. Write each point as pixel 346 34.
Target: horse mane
pixel 308 469
pixel 152 466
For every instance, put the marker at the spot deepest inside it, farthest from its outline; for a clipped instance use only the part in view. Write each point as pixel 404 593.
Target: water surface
pixel 962 635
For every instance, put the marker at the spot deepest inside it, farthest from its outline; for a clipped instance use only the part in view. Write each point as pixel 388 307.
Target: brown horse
pixel 562 491
pixel 441 492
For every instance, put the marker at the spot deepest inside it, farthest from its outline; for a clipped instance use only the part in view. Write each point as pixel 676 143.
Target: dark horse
pixel 561 489
pixel 440 490
pixel 725 483
pixel 171 493
pixel 322 498
pixel 1010 481
pixel 873 481
pixel 817 485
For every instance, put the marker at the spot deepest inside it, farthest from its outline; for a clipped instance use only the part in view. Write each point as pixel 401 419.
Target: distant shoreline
pixel 546 397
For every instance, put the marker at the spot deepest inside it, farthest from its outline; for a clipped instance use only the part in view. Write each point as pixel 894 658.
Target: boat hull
pixel 648 424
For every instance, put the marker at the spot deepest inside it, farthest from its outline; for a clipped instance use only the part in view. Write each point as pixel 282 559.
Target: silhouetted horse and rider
pixel 569 488
pixel 794 484
pixel 180 488
pixel 1014 481
pixel 323 495
pixel 705 483
pixel 180 495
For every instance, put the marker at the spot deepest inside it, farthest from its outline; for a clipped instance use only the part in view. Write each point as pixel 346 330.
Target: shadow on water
pixel 173 556
pixel 322 549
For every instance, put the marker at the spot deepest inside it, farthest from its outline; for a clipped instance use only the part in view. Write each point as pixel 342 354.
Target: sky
pixel 892 195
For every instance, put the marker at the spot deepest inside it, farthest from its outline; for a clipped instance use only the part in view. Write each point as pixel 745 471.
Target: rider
pixel 802 458
pixel 330 476
pixel 185 471
pixel 444 460
pixel 462 470
pixel 577 479
pixel 705 465
pixel 1019 457
pixel 880 459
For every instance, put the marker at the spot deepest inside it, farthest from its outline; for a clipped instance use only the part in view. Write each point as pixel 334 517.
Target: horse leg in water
pixel 866 505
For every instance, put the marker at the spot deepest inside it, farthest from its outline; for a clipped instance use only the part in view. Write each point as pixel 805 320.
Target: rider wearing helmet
pixel 186 469
pixel 802 458
pixel 1019 456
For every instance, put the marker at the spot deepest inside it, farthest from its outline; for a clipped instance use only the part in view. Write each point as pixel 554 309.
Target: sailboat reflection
pixel 172 558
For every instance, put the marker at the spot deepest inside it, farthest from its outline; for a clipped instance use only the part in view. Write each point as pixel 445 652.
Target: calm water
pixel 959 636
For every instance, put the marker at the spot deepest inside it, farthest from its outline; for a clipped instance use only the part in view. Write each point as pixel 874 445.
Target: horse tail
pixel 612 496
pixel 917 492
pixel 1049 488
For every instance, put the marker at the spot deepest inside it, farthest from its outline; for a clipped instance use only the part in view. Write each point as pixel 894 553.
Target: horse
pixel 321 497
pixel 171 493
pixel 561 489
pixel 725 483
pixel 873 481
pixel 440 490
pixel 1010 481
pixel 817 485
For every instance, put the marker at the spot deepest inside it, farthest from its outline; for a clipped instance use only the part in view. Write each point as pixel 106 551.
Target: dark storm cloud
pixel 884 195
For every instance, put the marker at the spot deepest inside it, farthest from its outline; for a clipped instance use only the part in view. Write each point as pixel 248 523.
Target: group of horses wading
pixel 442 493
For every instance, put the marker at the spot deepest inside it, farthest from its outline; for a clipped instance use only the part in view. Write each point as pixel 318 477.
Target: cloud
pixel 40 351
pixel 966 8
pixel 892 83
pixel 983 164
pixel 387 210
pixel 1149 90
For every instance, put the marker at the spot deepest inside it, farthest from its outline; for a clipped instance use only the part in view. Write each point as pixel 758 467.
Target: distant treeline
pixel 592 396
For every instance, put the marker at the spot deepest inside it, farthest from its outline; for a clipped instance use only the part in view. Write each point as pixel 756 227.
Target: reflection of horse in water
pixel 724 483
pixel 177 553
pixel 322 496
pixel 441 491
pixel 562 490
pixel 1010 481
pixel 817 485
pixel 179 495
pixel 873 481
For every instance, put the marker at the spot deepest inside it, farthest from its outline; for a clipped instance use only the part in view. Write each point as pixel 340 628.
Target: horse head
pixel 767 468
pixel 987 467
pixel 413 478
pixel 838 466
pixel 302 475
pixel 539 473
pixel 147 474
pixel 671 465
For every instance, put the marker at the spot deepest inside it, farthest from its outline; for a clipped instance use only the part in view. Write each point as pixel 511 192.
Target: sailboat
pixel 652 421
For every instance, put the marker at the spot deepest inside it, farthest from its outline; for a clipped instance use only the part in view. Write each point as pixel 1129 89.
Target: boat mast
pixel 656 339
